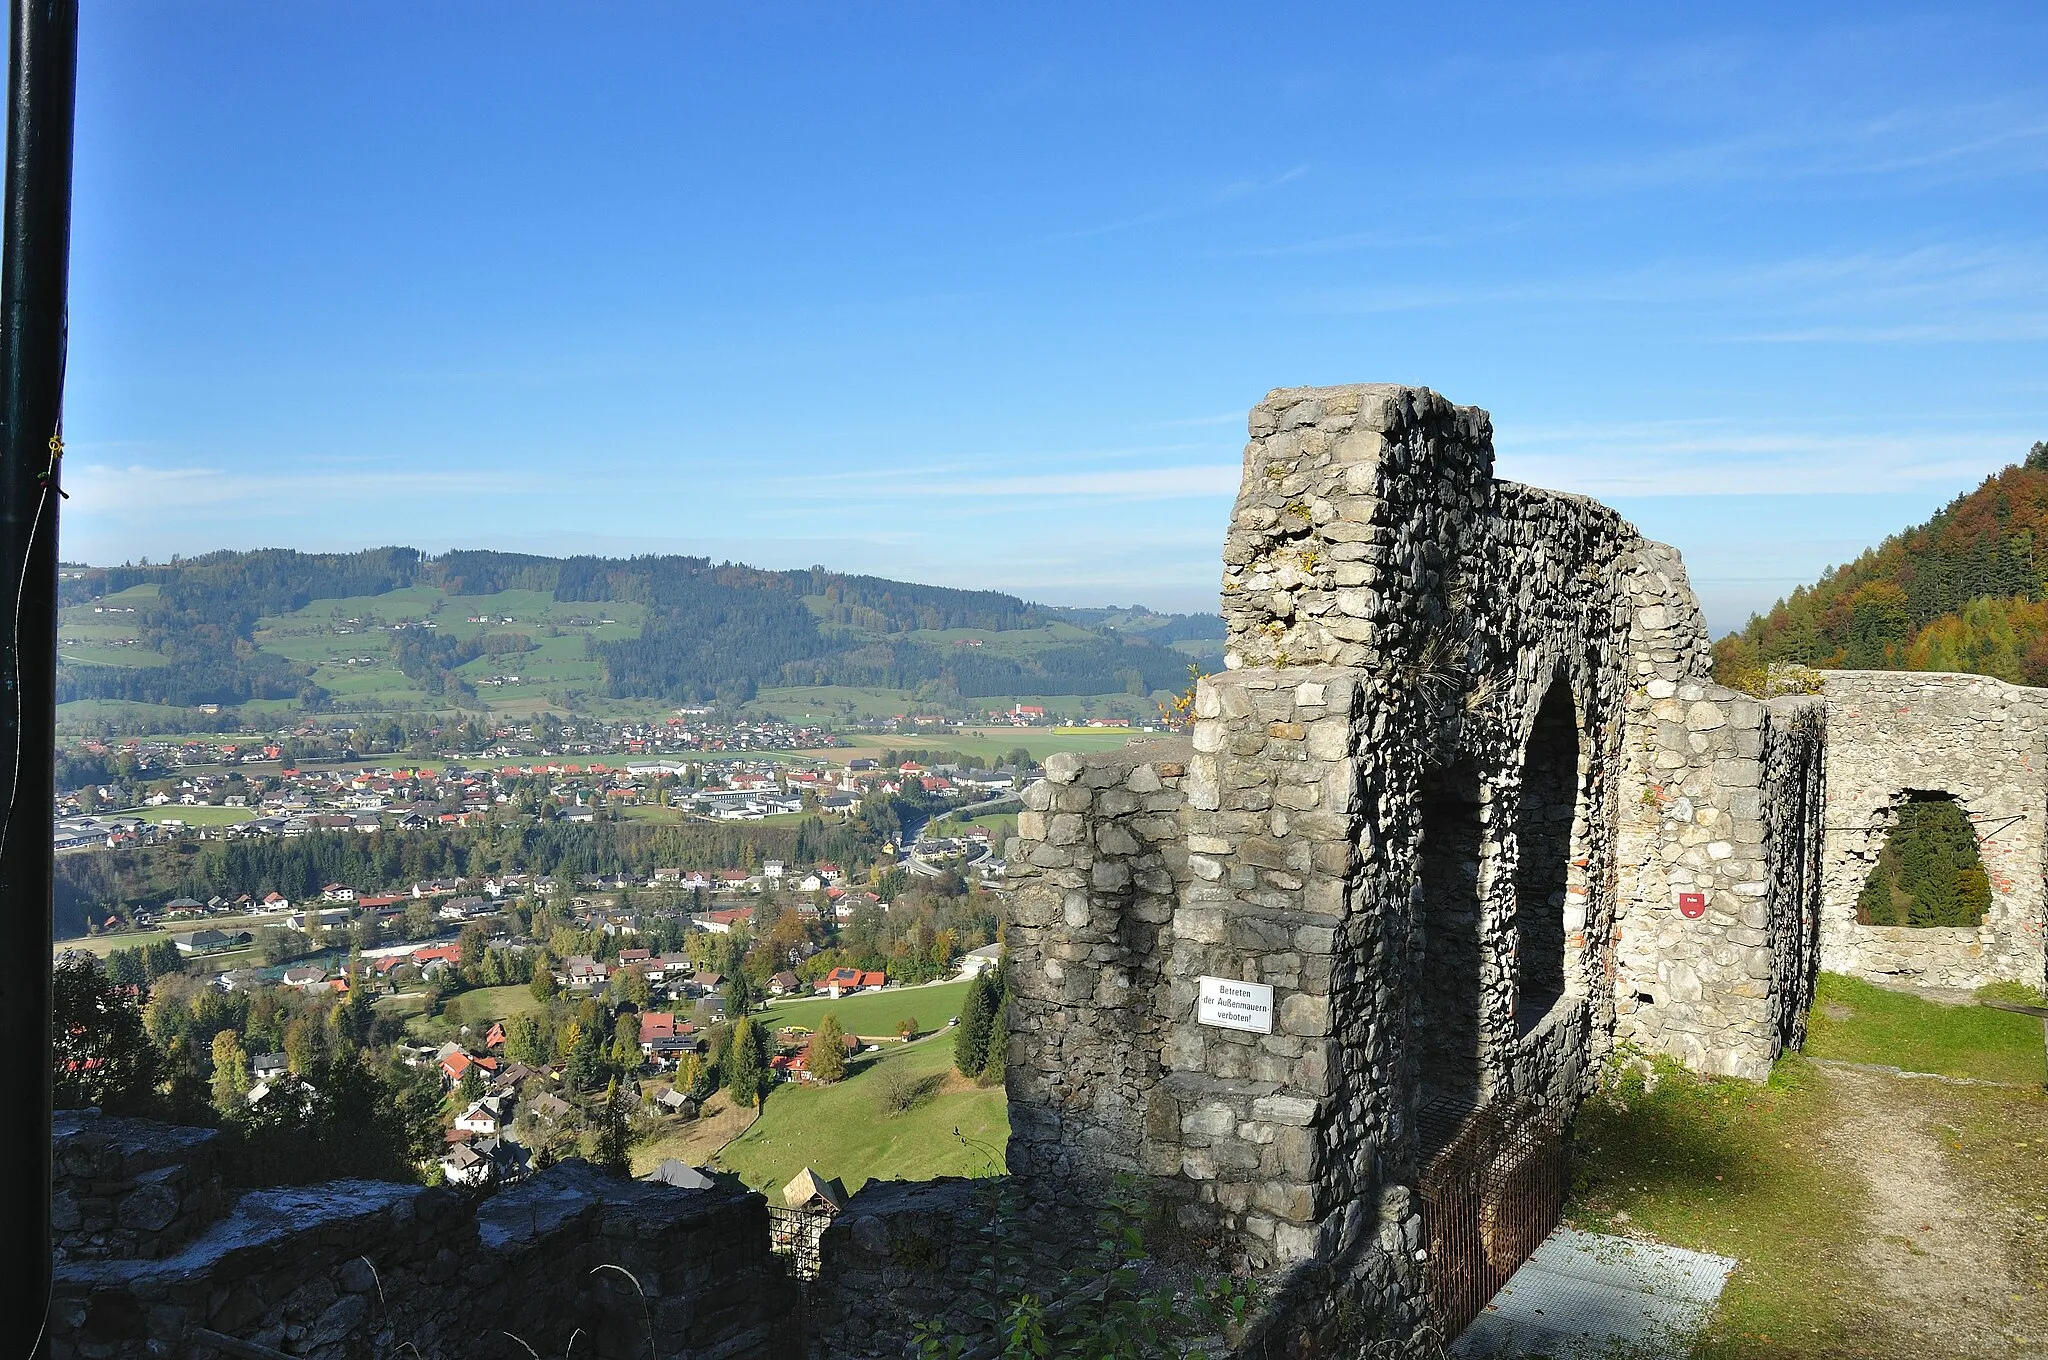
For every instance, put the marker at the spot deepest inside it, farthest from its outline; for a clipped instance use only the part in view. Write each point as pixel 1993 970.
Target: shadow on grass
pixel 1666 1134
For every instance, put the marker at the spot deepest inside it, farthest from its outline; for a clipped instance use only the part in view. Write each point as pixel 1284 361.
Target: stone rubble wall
pixel 1729 808
pixel 1795 818
pixel 1273 818
pixel 1096 866
pixel 1984 742
pixel 908 1252
pixel 352 1269
pixel 130 1188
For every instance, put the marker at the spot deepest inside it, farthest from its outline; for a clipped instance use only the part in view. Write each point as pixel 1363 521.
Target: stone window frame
pixel 1578 984
pixel 1877 833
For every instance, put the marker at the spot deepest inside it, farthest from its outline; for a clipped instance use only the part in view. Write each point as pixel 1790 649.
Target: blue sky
pixel 980 294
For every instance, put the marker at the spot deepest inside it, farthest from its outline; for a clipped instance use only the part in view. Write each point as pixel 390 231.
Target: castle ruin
pixel 1464 814
pixel 1465 811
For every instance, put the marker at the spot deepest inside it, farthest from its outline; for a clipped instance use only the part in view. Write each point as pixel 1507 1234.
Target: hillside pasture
pixel 100 654
pixel 845 1130
pixel 876 1014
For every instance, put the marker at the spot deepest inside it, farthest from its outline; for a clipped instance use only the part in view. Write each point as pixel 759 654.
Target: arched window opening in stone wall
pixel 1929 872
pixel 1451 1076
pixel 1544 818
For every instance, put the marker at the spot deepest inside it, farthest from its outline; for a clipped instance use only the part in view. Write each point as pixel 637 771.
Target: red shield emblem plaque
pixel 1692 906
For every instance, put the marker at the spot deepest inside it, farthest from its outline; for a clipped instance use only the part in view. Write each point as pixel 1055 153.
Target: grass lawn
pixel 1873 1216
pixel 477 1009
pixel 999 825
pixel 877 1014
pixel 844 1130
pixel 650 812
pixel 129 939
pixel 104 945
pixel 1855 1021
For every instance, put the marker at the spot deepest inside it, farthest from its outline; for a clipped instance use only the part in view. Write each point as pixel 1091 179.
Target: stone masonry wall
pixel 1097 865
pixel 1728 809
pixel 1403 812
pixel 353 1269
pixel 1722 799
pixel 1978 739
pixel 130 1188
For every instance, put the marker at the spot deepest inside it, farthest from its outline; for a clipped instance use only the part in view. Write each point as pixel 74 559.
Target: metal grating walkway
pixel 1586 1294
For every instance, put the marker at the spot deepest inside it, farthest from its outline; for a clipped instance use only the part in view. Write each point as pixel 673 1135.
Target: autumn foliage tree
pixel 828 1050
pixel 1962 592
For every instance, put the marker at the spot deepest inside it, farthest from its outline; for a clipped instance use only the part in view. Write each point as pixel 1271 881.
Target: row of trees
pixel 300 866
pixel 346 1107
pixel 981 1048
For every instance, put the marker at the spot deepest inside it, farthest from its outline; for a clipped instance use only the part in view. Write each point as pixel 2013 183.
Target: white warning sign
pixel 1230 1004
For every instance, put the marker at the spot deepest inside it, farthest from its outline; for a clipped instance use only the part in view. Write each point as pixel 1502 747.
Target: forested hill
pixel 1962 592
pixel 701 630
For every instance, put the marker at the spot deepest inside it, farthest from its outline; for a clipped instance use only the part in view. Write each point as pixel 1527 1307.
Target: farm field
pixel 200 815
pixel 836 703
pixel 1873 1216
pixel 128 939
pixel 990 744
pixel 876 1014
pixel 954 1128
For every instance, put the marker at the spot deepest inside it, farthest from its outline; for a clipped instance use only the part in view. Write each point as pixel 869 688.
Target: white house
pixel 463 1165
pixel 975 962
pixel 480 1120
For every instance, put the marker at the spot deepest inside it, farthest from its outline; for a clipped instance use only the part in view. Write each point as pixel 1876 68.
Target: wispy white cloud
pixel 1183 482
pixel 1229 193
pixel 1725 458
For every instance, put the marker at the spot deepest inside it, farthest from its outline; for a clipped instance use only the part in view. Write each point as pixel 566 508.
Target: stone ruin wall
pixel 1981 740
pixel 1407 809
pixel 351 1269
pixel 1102 862
pixel 1722 798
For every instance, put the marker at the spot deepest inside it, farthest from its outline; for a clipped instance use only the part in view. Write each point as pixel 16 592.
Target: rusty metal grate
pixel 1488 1198
pixel 794 1234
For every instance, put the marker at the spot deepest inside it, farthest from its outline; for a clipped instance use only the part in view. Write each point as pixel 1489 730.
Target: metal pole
pixel 34 269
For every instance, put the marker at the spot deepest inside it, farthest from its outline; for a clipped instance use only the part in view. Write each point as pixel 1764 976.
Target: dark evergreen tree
pixel 977 1015
pixel 746 1064
pixel 612 1146
pixel 1929 873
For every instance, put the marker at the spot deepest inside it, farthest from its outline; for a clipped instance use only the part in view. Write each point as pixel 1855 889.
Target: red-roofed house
pixel 656 1025
pixel 846 981
pixel 722 922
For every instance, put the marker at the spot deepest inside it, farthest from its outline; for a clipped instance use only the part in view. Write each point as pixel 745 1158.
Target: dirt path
pixel 1938 1248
